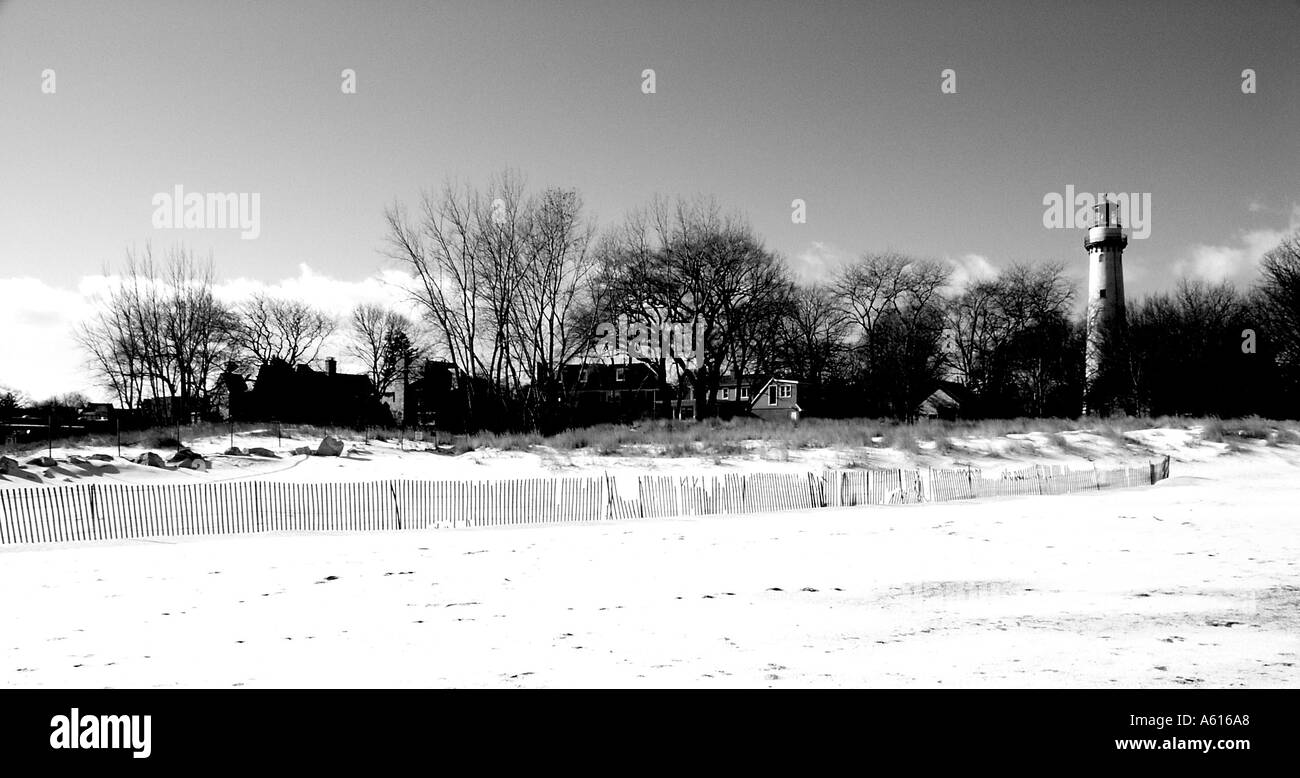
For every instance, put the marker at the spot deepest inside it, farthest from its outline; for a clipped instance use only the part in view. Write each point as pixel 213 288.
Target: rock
pixel 236 451
pixel 102 457
pixel 302 451
pixel 11 468
pixel 190 459
pixel 43 462
pixel 150 459
pixel 263 452
pixel 330 447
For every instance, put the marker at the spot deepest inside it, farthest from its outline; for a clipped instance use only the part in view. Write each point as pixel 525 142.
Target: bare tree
pixel 812 340
pixel 1007 339
pixel 441 250
pixel 503 281
pixel 1183 352
pixel 978 329
pixel 893 305
pixel 382 340
pixel 270 328
pixel 551 295
pixel 1279 297
pixel 160 332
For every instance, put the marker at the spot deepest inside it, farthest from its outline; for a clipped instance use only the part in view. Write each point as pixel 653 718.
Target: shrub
pixel 1212 430
pixel 1285 436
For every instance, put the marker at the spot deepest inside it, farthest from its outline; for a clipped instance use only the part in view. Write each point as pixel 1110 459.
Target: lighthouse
pixel 1105 385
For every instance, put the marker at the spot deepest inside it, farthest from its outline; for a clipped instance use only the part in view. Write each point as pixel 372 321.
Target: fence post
pixel 397 508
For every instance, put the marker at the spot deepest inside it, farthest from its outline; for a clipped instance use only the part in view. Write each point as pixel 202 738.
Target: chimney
pixel 331 366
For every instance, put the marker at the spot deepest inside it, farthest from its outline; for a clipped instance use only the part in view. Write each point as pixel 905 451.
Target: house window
pixel 726 394
pixel 582 376
pixel 744 392
pixel 618 373
pixel 787 391
pixel 771 395
pixel 1103 294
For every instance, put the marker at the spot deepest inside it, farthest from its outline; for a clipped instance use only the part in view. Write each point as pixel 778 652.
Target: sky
pixel 841 105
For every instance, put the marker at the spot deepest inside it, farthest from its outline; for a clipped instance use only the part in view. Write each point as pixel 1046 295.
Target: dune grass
pixel 672 438
pixel 739 436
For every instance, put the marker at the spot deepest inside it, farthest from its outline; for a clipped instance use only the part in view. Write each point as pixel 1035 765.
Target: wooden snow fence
pixel 114 511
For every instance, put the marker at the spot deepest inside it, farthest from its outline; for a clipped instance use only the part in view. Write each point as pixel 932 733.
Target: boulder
pixel 150 459
pixel 184 455
pixel 236 451
pixel 330 447
pixel 43 462
pixel 198 463
pixel 263 452
pixel 302 451
pixel 11 468
pixel 102 457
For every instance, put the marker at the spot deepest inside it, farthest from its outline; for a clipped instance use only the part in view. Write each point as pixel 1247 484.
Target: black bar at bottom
pixel 620 730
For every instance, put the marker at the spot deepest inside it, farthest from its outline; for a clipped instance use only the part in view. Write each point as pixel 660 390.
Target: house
pixel 762 396
pixel 441 396
pixel 611 388
pixel 945 402
pixel 96 417
pixel 306 396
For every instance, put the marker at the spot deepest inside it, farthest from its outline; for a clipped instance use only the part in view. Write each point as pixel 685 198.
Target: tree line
pixel 161 332
pixel 512 285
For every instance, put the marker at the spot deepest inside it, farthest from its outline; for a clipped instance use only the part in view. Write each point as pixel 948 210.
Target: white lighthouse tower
pixel 1104 352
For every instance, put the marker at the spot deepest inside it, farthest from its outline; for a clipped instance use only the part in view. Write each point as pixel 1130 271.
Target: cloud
pixel 39 355
pixel 1238 260
pixel 37 352
pixel 333 295
pixel 969 269
pixel 817 262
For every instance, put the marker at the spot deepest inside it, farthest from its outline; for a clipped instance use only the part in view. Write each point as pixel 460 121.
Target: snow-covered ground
pixel 376 460
pixel 1190 582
